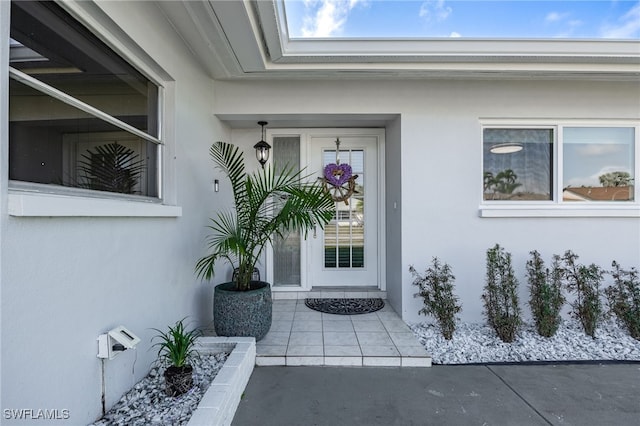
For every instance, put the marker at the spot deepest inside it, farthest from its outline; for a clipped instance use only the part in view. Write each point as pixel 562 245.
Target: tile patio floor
pixel 302 336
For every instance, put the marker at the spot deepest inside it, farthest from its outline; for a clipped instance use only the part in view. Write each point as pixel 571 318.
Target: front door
pixel 346 253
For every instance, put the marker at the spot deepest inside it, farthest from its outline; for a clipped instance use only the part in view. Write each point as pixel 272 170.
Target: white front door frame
pixel 306 134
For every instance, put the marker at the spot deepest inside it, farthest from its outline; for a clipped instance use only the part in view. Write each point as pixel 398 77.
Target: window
pixel 598 164
pixel 344 236
pixel 522 164
pixel 80 116
pixel 286 248
pixel 518 164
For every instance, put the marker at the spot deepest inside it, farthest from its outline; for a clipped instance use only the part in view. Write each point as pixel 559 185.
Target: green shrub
pixel 624 298
pixel 584 282
pixel 436 289
pixel 545 289
pixel 176 346
pixel 500 295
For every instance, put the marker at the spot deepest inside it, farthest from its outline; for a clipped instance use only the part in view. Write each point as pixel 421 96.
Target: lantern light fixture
pixel 262 148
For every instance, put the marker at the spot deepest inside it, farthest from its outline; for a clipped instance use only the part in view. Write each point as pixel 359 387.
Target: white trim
pixel 256 42
pixel 305 134
pixel 559 211
pixel 27 199
pixel 54 205
pixel 382 213
pixel 557 207
pixel 89 14
pixel 509 122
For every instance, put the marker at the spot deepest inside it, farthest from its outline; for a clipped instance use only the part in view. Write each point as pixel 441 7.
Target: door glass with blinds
pixel 344 235
pixel 286 249
pixel 345 252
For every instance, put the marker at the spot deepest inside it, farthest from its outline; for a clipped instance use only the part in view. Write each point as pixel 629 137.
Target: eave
pixel 244 39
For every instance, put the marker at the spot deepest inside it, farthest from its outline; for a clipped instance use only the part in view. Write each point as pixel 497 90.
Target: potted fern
pixel 176 349
pixel 266 204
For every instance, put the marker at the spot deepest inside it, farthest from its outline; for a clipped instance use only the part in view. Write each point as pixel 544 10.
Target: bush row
pixel 547 289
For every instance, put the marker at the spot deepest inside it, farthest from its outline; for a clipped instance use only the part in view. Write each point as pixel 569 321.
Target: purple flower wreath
pixel 337 174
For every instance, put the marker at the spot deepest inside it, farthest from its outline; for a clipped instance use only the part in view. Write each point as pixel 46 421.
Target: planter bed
pixel 219 380
pixel 478 343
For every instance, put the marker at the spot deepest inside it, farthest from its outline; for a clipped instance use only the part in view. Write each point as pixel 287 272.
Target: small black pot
pixel 242 313
pixel 178 380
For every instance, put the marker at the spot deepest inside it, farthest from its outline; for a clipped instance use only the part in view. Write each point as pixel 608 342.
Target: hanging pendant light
pixel 262 148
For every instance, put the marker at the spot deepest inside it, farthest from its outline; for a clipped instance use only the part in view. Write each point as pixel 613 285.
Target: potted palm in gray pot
pixel 266 204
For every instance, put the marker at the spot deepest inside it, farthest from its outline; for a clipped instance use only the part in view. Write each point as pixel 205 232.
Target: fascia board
pixel 283 49
pixel 201 32
pixel 240 29
pixel 477 50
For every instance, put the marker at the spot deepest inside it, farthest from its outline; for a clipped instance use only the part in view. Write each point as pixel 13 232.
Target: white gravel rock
pixel 148 404
pixel 478 343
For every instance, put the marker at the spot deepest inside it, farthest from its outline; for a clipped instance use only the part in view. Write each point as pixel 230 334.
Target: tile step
pixel 330 292
pixel 343 361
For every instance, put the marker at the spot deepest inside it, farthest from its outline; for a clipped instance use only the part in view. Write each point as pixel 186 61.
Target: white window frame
pixel 556 207
pixel 37 200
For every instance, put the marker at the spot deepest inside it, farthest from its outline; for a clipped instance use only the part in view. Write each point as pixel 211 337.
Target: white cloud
pixel 594 179
pixel 455 35
pixel 435 10
pixel 628 25
pixel 327 17
pixel 566 27
pixel 555 17
pixel 599 149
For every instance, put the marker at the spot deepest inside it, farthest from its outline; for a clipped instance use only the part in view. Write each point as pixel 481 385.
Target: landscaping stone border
pixel 218 405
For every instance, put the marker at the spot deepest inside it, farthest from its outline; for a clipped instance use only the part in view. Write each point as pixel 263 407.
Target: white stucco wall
pixel 440 167
pixel 66 280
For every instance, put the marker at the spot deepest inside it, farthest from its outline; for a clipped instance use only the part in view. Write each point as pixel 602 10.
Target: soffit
pixel 244 39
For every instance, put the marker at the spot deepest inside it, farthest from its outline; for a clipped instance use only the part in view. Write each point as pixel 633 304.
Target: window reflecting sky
pixel 590 152
pixel 573 19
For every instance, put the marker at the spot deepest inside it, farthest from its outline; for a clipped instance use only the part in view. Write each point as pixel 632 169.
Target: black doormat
pixel 345 306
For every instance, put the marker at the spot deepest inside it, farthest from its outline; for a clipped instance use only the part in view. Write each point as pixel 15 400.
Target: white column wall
pixel 67 280
pixel 440 169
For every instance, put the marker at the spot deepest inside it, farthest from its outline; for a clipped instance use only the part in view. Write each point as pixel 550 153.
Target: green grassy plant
pixel 545 289
pixel 436 289
pixel 584 282
pixel 176 346
pixel 624 298
pixel 500 296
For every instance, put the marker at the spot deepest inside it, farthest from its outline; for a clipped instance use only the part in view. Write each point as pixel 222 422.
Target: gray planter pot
pixel 242 313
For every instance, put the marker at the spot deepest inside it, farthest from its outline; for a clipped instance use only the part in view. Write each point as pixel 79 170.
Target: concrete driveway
pixel 560 394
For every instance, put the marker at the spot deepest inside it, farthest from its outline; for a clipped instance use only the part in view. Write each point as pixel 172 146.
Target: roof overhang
pixel 248 39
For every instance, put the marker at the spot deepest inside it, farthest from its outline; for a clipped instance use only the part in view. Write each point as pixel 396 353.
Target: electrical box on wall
pixel 115 342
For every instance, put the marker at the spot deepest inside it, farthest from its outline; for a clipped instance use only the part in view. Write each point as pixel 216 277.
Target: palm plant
pixel 267 204
pixel 176 346
pixel 505 181
pixel 111 167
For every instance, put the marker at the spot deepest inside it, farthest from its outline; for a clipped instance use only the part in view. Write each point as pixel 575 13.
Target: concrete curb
pixel 219 403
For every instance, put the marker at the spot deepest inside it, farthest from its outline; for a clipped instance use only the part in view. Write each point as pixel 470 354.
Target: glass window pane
pixel 518 164
pixel 598 164
pixel 53 143
pixel 51 46
pixel 344 235
pixel 286 250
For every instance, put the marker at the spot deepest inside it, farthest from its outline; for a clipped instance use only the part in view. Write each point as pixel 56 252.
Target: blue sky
pixel 573 19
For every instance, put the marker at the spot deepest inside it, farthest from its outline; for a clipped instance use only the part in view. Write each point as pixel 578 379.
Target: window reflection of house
pixel 605 193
